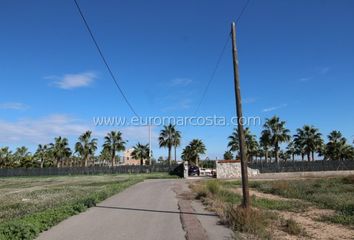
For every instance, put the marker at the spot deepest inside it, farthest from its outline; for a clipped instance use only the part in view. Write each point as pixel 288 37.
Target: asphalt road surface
pixel 148 210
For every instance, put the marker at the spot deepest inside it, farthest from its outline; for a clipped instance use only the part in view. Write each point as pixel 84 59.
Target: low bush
pixel 292 227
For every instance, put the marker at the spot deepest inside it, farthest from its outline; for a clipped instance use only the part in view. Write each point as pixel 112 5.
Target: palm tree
pixel 176 142
pixel 41 153
pixel 141 152
pixel 113 143
pixel 291 150
pixel 5 157
pixel 265 143
pixel 86 147
pixel 337 146
pixel 277 132
pixel 167 139
pixel 60 150
pixel 228 155
pixel 23 157
pixel 105 156
pixel 193 150
pixel 309 139
pixel 251 143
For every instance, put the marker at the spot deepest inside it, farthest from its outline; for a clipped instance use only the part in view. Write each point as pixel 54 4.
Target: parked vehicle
pixel 205 172
pixel 193 171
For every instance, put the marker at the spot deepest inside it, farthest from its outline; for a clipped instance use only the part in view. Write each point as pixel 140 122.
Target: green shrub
pixel 292 227
pixel 251 221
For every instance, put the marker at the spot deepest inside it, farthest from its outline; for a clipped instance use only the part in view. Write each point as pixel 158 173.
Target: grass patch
pixel 32 205
pixel 292 227
pixel 329 193
pixel 226 204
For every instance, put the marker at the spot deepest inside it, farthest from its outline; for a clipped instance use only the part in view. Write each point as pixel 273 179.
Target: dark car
pixel 193 171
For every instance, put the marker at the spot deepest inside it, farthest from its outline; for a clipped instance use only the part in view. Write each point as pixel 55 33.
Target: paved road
pixel 148 210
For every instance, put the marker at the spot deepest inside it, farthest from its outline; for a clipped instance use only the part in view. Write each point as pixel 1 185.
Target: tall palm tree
pixel 309 138
pixel 141 152
pixel 86 147
pixel 167 139
pixel 265 144
pixel 113 143
pixel 251 143
pixel 41 153
pixel 60 150
pixel 193 150
pixel 277 132
pixel 176 142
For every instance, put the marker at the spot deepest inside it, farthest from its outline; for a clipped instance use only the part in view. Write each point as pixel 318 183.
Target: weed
pixel 292 227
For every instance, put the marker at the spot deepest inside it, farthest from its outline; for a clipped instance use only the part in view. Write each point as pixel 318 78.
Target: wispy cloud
pixel 305 79
pixel 183 104
pixel 249 100
pixel 43 130
pixel 269 109
pixel 13 106
pixel 71 81
pixel 180 82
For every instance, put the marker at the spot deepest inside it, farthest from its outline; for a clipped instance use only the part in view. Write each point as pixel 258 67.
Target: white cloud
pixel 43 130
pixel 180 82
pixel 13 106
pixel 274 108
pixel 71 81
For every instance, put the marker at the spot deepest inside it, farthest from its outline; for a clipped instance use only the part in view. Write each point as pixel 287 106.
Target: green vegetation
pixel 30 205
pixel 170 137
pixel 329 193
pixel 141 152
pixel 219 197
pixel 292 227
pixel 192 151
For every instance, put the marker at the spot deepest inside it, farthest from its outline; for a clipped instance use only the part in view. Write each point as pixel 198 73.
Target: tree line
pixel 305 143
pixel 59 154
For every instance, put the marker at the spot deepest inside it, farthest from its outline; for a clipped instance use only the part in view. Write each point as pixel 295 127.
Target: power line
pixel 104 59
pixel 213 74
pixel 219 59
pixel 242 11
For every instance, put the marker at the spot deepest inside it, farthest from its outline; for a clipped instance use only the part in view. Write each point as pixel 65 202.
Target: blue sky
pixel 296 61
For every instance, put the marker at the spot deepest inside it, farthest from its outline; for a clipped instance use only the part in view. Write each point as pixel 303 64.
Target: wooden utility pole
pixel 241 134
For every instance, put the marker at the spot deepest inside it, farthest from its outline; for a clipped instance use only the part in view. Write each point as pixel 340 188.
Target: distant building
pixel 128 159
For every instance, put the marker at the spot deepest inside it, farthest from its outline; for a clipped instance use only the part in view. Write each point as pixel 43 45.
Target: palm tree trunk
pixel 175 153
pixel 86 160
pixel 266 156
pixel 308 156
pixel 141 161
pixel 302 157
pixel 113 160
pixel 313 156
pixel 276 150
pixel 58 163
pixel 169 156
